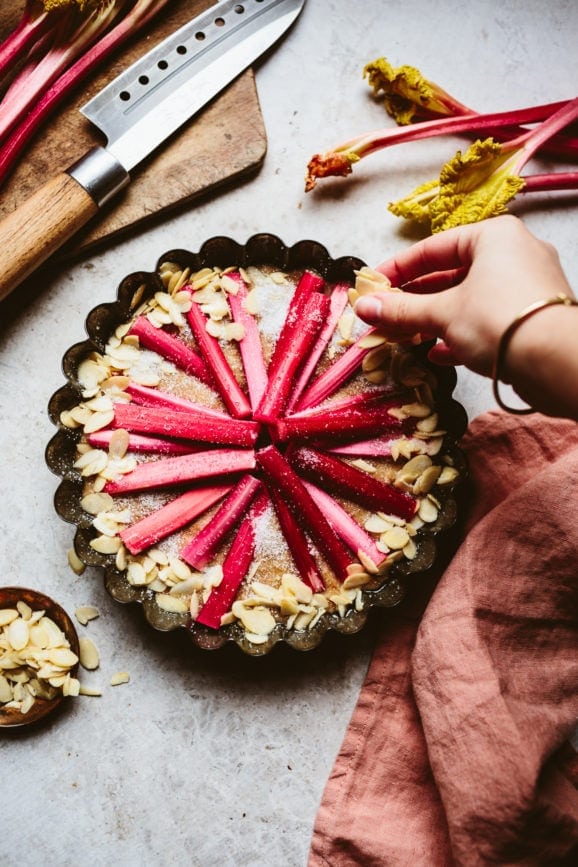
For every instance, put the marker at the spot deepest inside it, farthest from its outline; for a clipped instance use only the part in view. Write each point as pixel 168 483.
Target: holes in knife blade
pixel 220 22
pixel 199 36
pixel 239 9
pixel 124 95
pixel 181 49
pixel 162 64
pixel 143 79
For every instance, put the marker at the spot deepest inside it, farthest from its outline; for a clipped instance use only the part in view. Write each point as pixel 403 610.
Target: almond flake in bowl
pixel 244 457
pixel 39 655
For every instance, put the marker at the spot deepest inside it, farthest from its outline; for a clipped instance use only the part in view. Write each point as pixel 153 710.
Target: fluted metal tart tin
pixel 260 250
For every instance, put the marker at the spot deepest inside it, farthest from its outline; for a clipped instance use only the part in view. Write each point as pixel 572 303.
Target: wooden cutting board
pixel 224 142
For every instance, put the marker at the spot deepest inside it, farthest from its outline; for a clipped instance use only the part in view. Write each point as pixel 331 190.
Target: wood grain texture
pixel 225 141
pixel 40 226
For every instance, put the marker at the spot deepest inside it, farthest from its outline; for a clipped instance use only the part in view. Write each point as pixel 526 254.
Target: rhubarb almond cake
pixel 244 456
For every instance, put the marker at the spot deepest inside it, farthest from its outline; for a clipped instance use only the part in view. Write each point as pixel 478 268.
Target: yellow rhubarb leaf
pixel 475 185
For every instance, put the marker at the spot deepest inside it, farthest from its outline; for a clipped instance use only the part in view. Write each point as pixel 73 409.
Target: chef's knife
pixel 136 113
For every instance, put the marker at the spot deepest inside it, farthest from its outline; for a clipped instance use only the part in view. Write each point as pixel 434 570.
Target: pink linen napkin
pixel 457 752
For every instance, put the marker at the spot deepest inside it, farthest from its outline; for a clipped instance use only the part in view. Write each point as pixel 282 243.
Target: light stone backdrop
pixel 214 759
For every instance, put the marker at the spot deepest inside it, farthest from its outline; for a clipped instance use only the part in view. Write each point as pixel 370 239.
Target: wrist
pixel 538 356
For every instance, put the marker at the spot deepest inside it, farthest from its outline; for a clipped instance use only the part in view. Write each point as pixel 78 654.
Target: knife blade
pixel 136 113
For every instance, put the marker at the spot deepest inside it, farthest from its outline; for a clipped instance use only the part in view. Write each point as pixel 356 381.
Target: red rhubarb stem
pixel 337 304
pixel 332 474
pixel 250 345
pixel 297 543
pixel 172 348
pixel 234 397
pixel 178 513
pixel 279 473
pixel 203 547
pixel 291 356
pixel 354 536
pixel 338 425
pixel 28 30
pixel 530 142
pixel 168 472
pixel 148 445
pixel 185 424
pixel 141 13
pixel 335 375
pixel 550 181
pixel 309 282
pixel 235 568
pixel 145 396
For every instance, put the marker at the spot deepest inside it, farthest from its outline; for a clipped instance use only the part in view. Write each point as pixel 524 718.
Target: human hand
pixel 465 286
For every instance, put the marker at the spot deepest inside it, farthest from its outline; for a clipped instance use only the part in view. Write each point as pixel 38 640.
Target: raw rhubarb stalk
pixel 250 344
pixel 33 24
pixel 359 401
pixel 335 375
pixel 354 536
pixel 172 348
pixel 235 567
pixel 380 447
pixel 345 425
pixel 279 473
pixel 337 304
pixel 309 282
pixel 189 424
pixel 297 543
pixel 203 547
pixel 178 513
pixel 233 395
pixel 140 13
pixel 145 396
pixel 72 35
pixel 148 445
pixel 339 161
pixel 332 474
pixel 290 357
pixel 172 471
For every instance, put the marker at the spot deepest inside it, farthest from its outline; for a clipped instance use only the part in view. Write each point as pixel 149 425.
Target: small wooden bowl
pixel 9 597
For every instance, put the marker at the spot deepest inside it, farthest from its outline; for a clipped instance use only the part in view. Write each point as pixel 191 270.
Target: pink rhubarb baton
pixel 250 344
pixel 191 425
pixel 203 547
pixel 235 567
pixel 297 543
pixel 335 375
pixel 337 304
pixel 145 396
pixel 178 513
pixel 169 472
pixel 332 474
pixel 233 395
pixel 290 357
pixel 354 536
pixel 338 426
pixel 308 284
pixel 148 445
pixel 172 348
pixel 278 472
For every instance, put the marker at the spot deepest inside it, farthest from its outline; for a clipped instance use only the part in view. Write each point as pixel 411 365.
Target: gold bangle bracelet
pixel 561 298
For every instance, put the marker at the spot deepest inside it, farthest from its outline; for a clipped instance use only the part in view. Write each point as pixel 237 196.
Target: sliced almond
pixel 89 655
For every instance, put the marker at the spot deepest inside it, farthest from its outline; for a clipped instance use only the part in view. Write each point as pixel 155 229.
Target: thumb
pixel 402 314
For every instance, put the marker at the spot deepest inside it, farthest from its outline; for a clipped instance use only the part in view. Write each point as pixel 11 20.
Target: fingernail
pixel 368 307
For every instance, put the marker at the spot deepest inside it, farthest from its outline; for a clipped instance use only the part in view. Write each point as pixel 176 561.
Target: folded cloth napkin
pixel 458 750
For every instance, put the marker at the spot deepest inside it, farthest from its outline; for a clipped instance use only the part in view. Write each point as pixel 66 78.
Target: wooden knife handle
pixel 35 230
pixel 44 222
